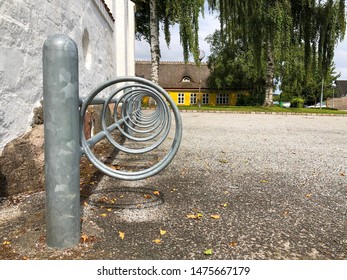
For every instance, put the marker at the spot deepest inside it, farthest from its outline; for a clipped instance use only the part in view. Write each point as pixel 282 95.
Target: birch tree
pixel 154 40
pixel 273 28
pixel 151 14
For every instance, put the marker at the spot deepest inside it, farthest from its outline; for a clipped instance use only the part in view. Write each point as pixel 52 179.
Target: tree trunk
pixel 154 36
pixel 154 43
pixel 270 73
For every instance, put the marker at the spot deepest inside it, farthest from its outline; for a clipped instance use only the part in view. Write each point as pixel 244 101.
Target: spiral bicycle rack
pixel 134 124
pixel 65 141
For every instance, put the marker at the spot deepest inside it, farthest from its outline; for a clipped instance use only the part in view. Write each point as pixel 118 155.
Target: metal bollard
pixel 62 147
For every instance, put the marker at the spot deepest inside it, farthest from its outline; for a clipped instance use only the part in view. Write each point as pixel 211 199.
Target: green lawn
pixel 263 109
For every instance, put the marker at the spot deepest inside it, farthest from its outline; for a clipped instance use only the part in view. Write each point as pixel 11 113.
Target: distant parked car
pixel 324 105
pixel 286 104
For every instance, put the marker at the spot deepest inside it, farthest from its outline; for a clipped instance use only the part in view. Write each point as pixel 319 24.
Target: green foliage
pixel 300 36
pixel 187 16
pixel 297 102
pixel 170 12
pixel 231 65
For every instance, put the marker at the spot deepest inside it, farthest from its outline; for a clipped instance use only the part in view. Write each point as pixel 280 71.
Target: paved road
pixel 247 186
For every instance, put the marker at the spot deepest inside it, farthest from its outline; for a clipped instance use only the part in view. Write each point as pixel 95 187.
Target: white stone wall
pixel 24 26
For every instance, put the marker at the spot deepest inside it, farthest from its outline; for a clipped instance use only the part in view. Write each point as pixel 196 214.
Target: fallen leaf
pixel 191 216
pixel 162 232
pixel 208 252
pixel 147 196
pixel 309 195
pixel 84 238
pixel 157 241
pixel 233 244
pixel 115 167
pixel 6 242
pixel 194 216
pixel 85 203
pixel 263 181
pixel 224 204
pixel 87 239
pixel 103 199
pixel 109 209
pixel 223 160
pixel 215 216
pixel 156 193
pixel 121 234
pixel 342 174
pixel 103 215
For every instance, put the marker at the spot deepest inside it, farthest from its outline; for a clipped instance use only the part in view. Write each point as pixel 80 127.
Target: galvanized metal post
pixel 62 145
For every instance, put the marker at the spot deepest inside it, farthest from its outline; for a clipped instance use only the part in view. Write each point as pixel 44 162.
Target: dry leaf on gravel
pixel 194 216
pixel 121 235
pixel 215 216
pixel 208 252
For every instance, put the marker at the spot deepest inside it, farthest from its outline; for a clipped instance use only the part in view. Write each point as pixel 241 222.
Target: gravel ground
pixel 247 186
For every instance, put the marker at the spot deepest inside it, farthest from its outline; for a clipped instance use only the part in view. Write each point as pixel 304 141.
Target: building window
pixel 186 79
pixel 193 98
pixel 180 98
pixel 222 98
pixel 205 98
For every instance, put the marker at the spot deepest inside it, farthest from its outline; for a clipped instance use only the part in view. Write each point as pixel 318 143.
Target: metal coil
pixel 148 129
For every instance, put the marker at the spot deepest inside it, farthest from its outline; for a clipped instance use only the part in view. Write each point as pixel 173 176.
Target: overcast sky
pixel 208 25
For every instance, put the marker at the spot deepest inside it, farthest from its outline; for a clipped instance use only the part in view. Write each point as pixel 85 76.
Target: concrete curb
pixel 262 113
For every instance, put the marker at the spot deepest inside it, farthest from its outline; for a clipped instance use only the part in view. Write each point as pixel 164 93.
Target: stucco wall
pixel 24 26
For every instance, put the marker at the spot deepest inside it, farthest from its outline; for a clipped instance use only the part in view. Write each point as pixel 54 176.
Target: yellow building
pixel 181 81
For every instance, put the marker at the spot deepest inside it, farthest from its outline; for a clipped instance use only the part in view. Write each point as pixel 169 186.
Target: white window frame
pixel 205 98
pixel 222 99
pixel 193 98
pixel 180 98
pixel 186 79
